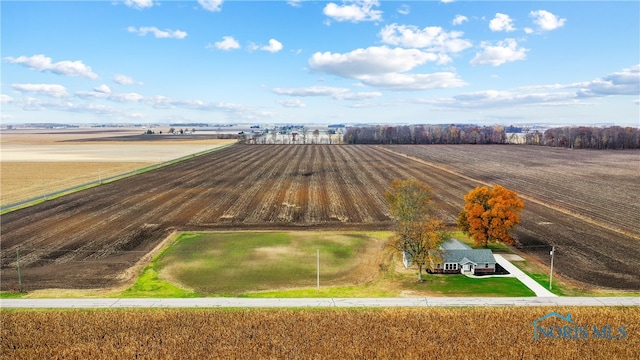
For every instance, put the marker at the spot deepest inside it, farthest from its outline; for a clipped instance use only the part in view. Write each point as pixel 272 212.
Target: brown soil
pixel 87 239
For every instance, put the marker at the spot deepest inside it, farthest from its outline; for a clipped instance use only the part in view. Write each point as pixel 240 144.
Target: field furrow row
pixel 87 239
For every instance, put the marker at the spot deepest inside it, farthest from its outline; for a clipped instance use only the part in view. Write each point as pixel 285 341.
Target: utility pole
pixel 19 273
pixel 318 269
pixel 553 251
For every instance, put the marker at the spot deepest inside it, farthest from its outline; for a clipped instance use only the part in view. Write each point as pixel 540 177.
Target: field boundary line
pixel 525 197
pixel 56 194
pixel 131 274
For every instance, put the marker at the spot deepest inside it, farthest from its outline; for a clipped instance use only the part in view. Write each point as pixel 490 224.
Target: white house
pixel 458 257
pixel 455 256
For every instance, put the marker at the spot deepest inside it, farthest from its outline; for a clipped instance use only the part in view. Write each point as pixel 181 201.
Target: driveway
pixel 524 278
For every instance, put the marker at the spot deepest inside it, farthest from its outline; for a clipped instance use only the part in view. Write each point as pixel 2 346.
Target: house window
pixel 486 265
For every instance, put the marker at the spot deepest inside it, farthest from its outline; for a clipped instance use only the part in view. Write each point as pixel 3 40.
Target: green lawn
pixel 461 285
pixel 283 264
pixel 236 263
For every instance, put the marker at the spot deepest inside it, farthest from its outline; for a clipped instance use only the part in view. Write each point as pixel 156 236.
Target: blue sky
pixel 363 61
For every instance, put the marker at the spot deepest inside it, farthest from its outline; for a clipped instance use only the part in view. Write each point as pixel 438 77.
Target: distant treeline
pixel 613 137
pixel 425 134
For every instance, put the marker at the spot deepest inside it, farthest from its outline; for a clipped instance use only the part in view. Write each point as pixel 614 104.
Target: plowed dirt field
pixel 88 239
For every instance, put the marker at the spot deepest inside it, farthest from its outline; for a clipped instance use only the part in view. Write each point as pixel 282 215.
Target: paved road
pixel 318 302
pixel 524 278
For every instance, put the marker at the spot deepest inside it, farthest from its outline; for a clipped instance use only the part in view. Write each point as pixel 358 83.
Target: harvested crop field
pixel 88 239
pixel 36 163
pixel 493 333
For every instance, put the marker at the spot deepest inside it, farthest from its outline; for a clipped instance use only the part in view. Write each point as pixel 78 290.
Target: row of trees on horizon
pixel 579 137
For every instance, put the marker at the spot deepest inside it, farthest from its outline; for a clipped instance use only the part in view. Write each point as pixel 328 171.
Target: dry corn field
pixel 486 333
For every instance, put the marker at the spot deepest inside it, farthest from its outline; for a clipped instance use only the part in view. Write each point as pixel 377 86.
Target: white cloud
pixel 383 67
pixel 369 61
pixel 493 98
pixel 43 63
pixel 503 52
pixel 555 86
pixel 358 95
pixel 404 9
pixel 235 111
pixel 121 98
pixel 94 109
pixel 53 90
pixel 127 97
pixel 159 34
pixel 5 99
pixel 273 47
pixel 459 19
pixel 411 82
pixel 125 80
pixel 91 95
pixel 501 99
pixel 334 92
pixel 625 82
pixel 295 3
pixel 546 21
pixel 102 89
pixel 227 43
pixel 501 22
pixel 211 5
pixel 84 108
pixel 311 91
pixel 139 4
pixel 354 11
pixel 292 103
pixel 431 37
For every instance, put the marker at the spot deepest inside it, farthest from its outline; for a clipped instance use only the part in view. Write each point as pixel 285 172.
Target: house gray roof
pixel 463 256
pixel 454 244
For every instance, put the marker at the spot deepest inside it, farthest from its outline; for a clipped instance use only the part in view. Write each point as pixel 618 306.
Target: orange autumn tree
pixel 489 214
